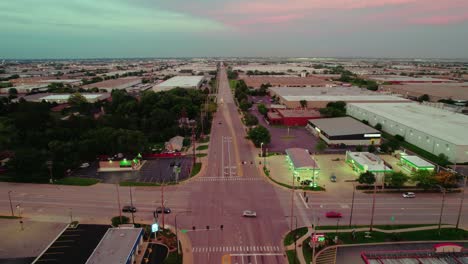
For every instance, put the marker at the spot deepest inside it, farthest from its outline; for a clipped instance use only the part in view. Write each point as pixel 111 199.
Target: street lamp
pixel 11 205
pixel 131 204
pixel 19 214
pixel 461 202
pixel 295 237
pixel 352 205
pixel 177 232
pixel 373 204
pixel 263 154
pixel 442 205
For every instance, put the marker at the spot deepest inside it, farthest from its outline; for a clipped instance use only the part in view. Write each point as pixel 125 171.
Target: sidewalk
pixel 186 245
pixel 300 254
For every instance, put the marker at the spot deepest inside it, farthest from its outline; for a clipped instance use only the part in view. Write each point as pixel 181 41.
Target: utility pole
pixel 461 202
pixel 11 205
pixel 118 202
pixel 131 203
pixel 193 142
pixel 292 202
pixel 177 232
pixel 162 203
pixel 313 238
pixel 373 205
pixel 352 205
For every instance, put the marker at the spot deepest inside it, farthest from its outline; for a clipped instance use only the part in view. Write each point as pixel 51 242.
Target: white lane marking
pixel 303 201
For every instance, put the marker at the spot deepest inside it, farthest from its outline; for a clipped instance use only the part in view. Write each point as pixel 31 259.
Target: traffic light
pixel 221 227
pixel 207 227
pixel 193 228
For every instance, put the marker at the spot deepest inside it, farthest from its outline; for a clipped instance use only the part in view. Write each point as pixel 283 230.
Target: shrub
pixel 116 220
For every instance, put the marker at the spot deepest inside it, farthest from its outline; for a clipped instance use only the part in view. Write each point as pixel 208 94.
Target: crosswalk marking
pixel 212 179
pixel 238 249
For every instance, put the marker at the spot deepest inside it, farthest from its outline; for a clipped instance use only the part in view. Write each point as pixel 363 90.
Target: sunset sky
pixel 179 28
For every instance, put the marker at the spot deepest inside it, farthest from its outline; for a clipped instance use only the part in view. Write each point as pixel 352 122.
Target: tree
pixel 446 179
pixel 400 138
pixel 258 135
pixel 366 178
pixel 378 126
pixel 262 109
pixel 321 146
pixel 396 179
pixel 424 178
pixel 28 165
pixel 303 103
pixel 423 98
pixel 250 120
pixel 358 148
pixel 244 105
pixel 12 92
pixel 371 148
pixel 77 100
pixel 443 159
pixel 116 220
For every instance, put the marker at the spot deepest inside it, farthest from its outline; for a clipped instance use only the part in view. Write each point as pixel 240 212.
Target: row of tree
pixel 129 125
pixel 422 178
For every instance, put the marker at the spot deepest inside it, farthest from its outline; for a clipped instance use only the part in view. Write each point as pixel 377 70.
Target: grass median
pixel 196 169
pixel 77 181
pixel 384 227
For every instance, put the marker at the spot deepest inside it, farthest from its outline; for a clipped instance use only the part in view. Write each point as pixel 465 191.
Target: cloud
pixel 439 20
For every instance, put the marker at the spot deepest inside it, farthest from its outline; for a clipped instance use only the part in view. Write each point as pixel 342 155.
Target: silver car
pixel 409 195
pixel 248 213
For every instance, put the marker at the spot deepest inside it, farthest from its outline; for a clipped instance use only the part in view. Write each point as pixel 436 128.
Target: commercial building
pixel 114 84
pixel 284 81
pixel 365 161
pixel 415 163
pixel 432 129
pixel 395 79
pixel 303 166
pixel 319 97
pixel 436 91
pixel 291 117
pixel 26 88
pixel 189 82
pixel 63 98
pixel 344 130
pixel 119 245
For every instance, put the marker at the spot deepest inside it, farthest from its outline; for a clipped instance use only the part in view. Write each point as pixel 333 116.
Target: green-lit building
pixel 366 161
pixel 303 166
pixel 415 163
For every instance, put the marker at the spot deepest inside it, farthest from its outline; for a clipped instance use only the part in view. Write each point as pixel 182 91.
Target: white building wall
pixel 414 136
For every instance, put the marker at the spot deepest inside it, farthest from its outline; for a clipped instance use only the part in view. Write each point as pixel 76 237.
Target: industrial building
pixel 114 84
pixel 436 91
pixel 432 129
pixel 368 162
pixel 396 79
pixel 189 82
pixel 119 245
pixel 319 97
pixel 63 98
pixel 303 166
pixel 291 117
pixel 344 130
pixel 415 163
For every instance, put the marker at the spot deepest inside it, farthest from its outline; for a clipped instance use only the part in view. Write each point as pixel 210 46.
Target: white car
pixel 409 195
pixel 84 165
pixel 248 213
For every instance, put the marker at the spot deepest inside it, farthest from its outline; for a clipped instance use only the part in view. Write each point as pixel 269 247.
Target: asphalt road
pixel 218 197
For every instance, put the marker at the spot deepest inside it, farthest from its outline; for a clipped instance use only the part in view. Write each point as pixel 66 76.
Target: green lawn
pixel 172 258
pixel 130 183
pixel 289 238
pixel 77 181
pixel 232 84
pixel 291 256
pixel 385 227
pixel 200 155
pixel 196 169
pixel 307 251
pixel 8 217
pixel 205 140
pixel 202 147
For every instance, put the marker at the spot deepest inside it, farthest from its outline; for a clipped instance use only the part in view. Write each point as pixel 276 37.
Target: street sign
pixel 154 227
pixel 392 218
pixel 183 231
pixel 318 238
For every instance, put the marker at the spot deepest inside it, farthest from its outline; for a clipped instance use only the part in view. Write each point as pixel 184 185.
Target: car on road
pixel 333 178
pixel 84 165
pixel 129 209
pixel 220 122
pixel 333 214
pixel 159 210
pixel 409 195
pixel 306 182
pixel 249 213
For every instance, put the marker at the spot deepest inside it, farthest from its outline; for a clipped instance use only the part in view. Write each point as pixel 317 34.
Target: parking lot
pixel 153 171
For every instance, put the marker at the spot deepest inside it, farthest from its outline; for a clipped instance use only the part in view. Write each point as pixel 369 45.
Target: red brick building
pixel 292 117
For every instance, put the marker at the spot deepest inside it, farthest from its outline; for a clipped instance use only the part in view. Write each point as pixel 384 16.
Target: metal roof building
pixel 118 246
pixel 304 167
pixel 344 130
pixel 435 130
pixel 191 82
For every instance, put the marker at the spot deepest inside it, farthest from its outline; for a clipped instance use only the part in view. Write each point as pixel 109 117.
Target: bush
pixel 400 138
pixel 378 126
pixel 116 220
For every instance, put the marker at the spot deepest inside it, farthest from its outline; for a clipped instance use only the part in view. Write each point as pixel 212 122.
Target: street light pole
pixel 373 206
pixel 352 205
pixel 131 203
pixel 442 206
pixel 295 237
pixel 11 205
pixel 118 202
pixel 177 233
pixel 292 202
pixel 461 202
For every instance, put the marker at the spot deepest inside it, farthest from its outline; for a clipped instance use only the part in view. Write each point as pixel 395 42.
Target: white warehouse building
pixel 432 129
pixel 189 82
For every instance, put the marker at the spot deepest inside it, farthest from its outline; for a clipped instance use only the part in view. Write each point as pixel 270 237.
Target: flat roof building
pixel 415 163
pixel 395 79
pixel 63 98
pixel 344 130
pixel 114 84
pixel 302 164
pixel 292 117
pixel 365 161
pixel 189 82
pixel 118 245
pixel 319 97
pixel 436 91
pixel 435 130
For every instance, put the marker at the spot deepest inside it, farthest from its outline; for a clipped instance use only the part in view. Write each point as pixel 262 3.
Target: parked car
pixel 129 209
pixel 84 165
pixel 333 178
pixel 167 210
pixel 249 213
pixel 306 182
pixel 409 195
pixel 333 214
